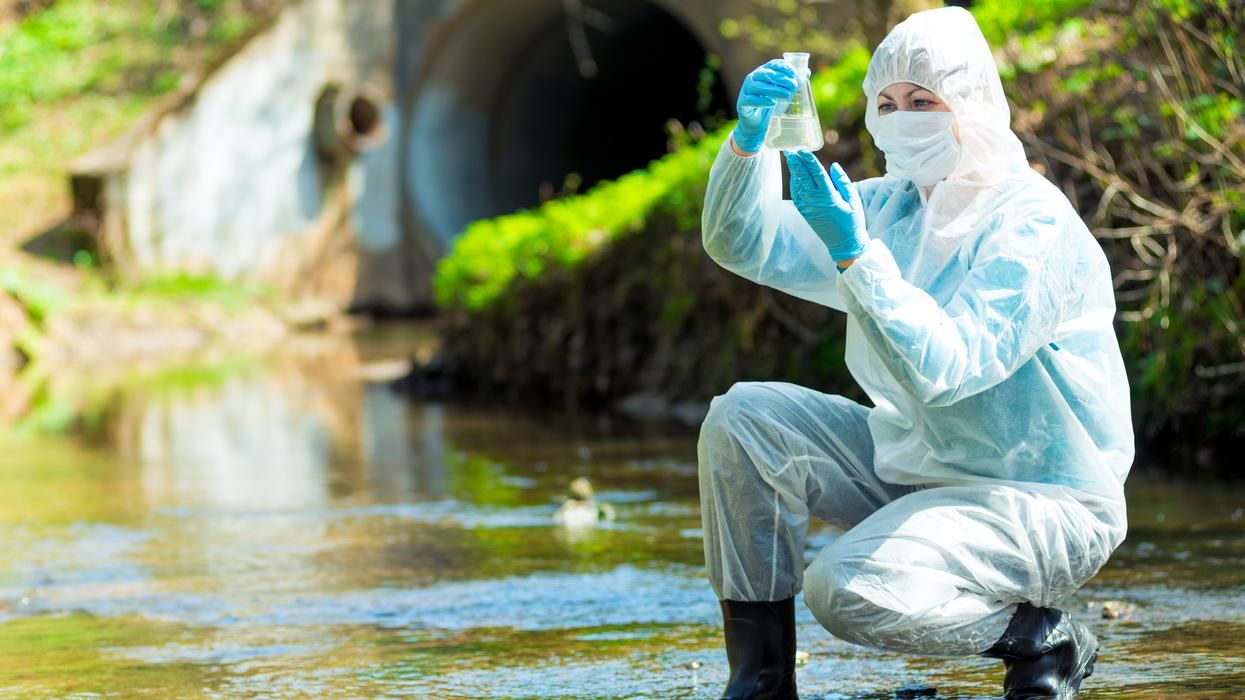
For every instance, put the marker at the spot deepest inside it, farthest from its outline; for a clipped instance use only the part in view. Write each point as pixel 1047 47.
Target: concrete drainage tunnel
pixel 522 100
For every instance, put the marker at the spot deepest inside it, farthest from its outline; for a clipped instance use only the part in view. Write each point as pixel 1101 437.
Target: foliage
pixel 1003 20
pixel 1138 116
pixel 1032 35
pixel 837 91
pixel 773 26
pixel 79 47
pixel 80 71
pixel 1146 133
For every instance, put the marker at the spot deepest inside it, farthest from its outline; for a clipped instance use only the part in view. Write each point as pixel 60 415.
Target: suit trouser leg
pixel 772 454
pixel 932 571
pixel 941 571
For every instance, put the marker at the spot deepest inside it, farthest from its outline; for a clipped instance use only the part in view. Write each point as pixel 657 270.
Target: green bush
pixel 491 253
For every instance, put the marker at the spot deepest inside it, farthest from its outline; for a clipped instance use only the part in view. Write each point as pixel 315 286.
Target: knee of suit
pixel 731 419
pixel 843 613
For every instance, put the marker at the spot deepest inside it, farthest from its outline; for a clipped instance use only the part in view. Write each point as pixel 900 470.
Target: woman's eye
pixel 885 107
pixel 922 103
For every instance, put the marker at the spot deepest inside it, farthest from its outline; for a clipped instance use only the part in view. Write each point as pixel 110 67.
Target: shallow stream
pixel 292 529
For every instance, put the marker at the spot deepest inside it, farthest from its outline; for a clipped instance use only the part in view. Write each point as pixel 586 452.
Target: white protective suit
pixel 990 470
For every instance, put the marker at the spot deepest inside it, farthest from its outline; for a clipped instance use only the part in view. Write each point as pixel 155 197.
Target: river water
pixel 292 529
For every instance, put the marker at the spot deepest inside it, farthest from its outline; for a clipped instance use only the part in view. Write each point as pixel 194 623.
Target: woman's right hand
pixel 766 87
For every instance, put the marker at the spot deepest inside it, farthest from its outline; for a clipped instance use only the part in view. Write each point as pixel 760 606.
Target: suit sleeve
pixel 1009 304
pixel 749 229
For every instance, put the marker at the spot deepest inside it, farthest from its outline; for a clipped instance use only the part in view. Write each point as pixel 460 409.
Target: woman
pixel 985 484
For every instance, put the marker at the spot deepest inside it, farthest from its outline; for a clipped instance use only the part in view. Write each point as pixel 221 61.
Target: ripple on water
pixel 82 557
pixel 555 678
pixel 217 653
pixel 624 595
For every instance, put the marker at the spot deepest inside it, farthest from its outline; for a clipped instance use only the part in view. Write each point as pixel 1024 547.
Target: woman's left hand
pixel 829 203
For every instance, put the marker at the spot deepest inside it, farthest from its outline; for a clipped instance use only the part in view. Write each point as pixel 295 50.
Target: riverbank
pixel 67 335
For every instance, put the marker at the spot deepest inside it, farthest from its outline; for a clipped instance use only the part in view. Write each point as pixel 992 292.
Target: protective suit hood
pixel 945 52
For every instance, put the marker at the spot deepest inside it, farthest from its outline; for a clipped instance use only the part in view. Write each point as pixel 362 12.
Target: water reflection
pixel 297 438
pixel 244 445
pixel 402 461
pixel 307 432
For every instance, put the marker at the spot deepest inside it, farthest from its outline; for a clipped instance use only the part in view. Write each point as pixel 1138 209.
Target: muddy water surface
pixel 292 529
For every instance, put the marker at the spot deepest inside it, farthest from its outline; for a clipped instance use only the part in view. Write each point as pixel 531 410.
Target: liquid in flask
pixel 796 128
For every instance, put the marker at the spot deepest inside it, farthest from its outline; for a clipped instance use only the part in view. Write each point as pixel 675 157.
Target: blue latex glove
pixel 829 203
pixel 765 88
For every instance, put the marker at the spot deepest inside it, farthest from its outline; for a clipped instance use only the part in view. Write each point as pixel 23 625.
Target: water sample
pixel 797 127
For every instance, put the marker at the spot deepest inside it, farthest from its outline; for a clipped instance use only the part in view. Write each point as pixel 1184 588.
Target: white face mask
pixel 919 146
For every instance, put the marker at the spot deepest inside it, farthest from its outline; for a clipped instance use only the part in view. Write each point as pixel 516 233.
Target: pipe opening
pixel 364 117
pixel 507 115
pixel 347 122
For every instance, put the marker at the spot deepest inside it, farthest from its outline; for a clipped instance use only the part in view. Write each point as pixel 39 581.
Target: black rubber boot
pixel 1046 653
pixel 760 646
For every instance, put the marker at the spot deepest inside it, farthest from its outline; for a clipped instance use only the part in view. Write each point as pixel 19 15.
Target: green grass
pixel 82 48
pixel 43 298
pixel 176 287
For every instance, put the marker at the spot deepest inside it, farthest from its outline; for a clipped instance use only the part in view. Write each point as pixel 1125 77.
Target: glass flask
pixel 797 127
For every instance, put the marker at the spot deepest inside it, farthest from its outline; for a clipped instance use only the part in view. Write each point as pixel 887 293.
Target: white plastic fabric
pixel 980 327
pixel 919 146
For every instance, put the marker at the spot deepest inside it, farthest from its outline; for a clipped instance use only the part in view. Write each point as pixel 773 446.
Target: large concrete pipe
pixel 516 96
